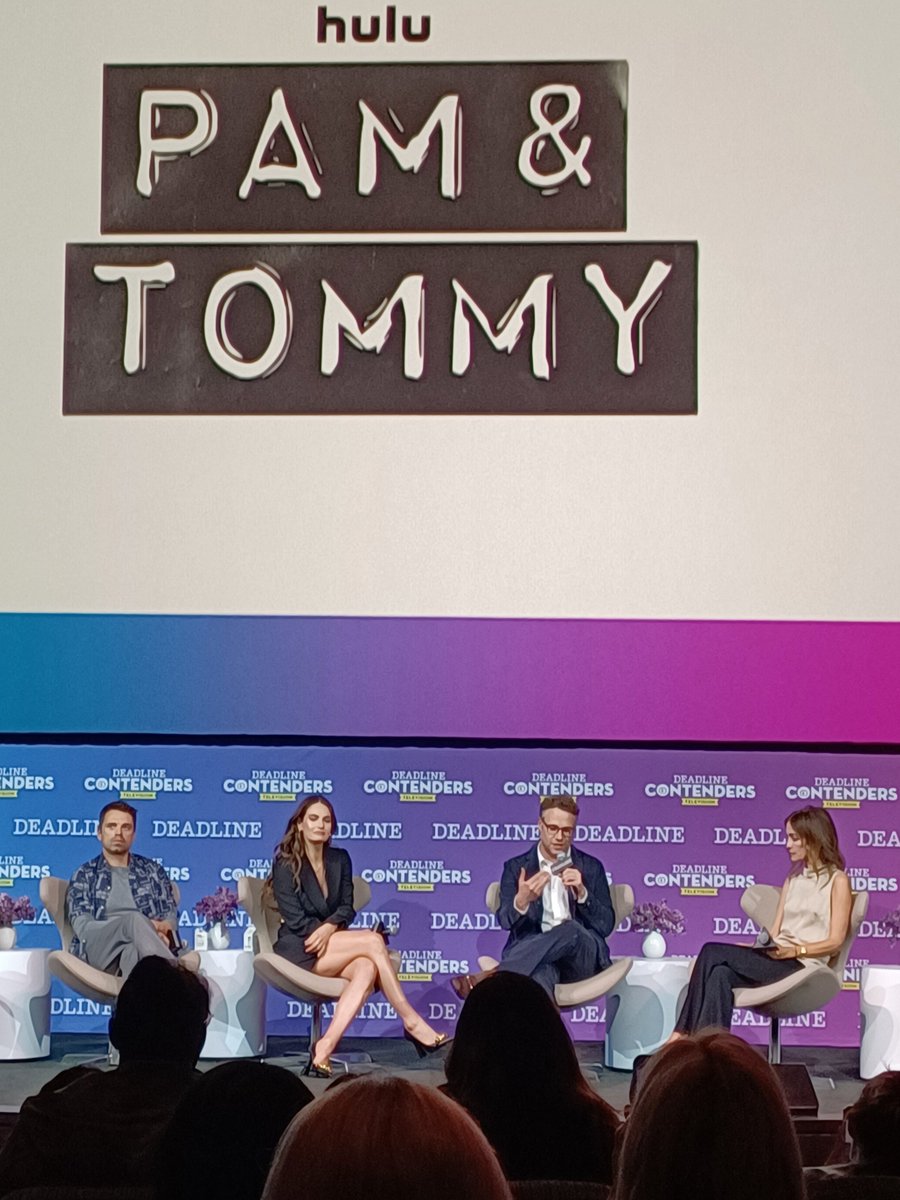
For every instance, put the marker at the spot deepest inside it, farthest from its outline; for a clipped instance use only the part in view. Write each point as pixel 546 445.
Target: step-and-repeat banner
pixel 430 829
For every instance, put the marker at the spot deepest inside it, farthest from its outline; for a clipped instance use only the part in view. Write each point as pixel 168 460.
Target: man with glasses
pixel 555 902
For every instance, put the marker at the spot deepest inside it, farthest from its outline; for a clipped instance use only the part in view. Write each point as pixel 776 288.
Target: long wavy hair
pixel 510 1038
pixel 816 828
pixel 709 1121
pixel 292 847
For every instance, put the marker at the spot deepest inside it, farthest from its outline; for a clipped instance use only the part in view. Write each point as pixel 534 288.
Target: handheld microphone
pixel 563 860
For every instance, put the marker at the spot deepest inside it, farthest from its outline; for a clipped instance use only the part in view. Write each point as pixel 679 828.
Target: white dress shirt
pixel 555 896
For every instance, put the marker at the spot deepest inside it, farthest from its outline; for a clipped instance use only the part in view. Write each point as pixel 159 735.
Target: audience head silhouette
pixel 873 1123
pixel 161 1014
pixel 710 1120
pixel 386 1139
pixel 195 1161
pixel 511 1043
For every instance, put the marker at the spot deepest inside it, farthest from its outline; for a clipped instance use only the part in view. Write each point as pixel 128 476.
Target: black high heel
pixel 421 1049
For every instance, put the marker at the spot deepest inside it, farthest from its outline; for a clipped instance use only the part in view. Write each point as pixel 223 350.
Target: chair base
pixel 798 1089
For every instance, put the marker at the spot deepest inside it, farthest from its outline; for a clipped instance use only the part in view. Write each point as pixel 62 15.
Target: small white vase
pixel 653 945
pixel 7 937
pixel 219 937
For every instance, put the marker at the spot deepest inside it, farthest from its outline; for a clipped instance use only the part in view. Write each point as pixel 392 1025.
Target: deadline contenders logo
pixel 13 867
pixel 557 783
pixel 421 966
pixel 861 880
pixel 416 875
pixel 840 792
pixel 698 879
pixel 18 779
pixel 701 791
pixel 853 974
pixel 277 785
pixel 256 868
pixel 137 783
pixel 418 787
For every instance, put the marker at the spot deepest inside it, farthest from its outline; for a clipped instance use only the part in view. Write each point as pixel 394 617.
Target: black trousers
pixel 719 968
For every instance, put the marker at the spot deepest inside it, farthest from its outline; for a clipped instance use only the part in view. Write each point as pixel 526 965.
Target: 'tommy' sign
pixel 437 328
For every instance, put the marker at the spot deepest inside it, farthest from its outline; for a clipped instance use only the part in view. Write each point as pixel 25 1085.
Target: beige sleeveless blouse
pixel 807 909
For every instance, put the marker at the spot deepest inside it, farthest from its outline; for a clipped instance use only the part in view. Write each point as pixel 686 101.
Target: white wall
pixel 765 131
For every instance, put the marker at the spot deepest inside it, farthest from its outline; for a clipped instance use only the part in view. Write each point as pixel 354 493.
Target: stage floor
pixel 834 1071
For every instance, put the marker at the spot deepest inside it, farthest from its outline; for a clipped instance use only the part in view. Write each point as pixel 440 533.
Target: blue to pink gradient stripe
pixel 446 677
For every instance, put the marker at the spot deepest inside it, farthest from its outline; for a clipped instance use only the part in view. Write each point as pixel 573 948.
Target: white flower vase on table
pixel 653 945
pixel 219 937
pixel 654 919
pixel 13 909
pixel 216 911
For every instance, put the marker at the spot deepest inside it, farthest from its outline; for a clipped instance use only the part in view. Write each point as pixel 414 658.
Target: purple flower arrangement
pixel 219 907
pixel 20 909
pixel 892 924
pixel 648 916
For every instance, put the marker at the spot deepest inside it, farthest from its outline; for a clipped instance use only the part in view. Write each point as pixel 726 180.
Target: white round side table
pixel 641 1009
pixel 879 1007
pixel 237 1004
pixel 24 1004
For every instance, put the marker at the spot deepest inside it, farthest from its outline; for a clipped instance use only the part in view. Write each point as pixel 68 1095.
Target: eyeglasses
pixel 565 831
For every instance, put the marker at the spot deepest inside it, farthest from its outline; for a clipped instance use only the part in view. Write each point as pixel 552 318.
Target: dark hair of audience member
pixel 384 1138
pixel 512 1065
pixel 873 1123
pixel 161 1014
pixel 222 1136
pixel 710 1120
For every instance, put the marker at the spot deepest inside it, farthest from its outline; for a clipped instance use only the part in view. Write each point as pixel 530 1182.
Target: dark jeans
pixel 719 968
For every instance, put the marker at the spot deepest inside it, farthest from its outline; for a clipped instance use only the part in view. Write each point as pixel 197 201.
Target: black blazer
pixel 304 909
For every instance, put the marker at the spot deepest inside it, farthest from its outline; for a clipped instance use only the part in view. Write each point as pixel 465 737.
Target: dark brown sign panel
pixel 364 148
pixel 448 328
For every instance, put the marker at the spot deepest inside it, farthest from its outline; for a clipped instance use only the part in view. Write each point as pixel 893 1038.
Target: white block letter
pixel 373 333
pixel 155 150
pixel 447 113
pixel 641 306
pixel 221 349
pixel 138 279
pixel 540 297
pixel 300 171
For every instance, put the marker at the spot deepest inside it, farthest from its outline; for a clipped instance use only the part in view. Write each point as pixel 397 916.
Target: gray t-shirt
pixel 120 900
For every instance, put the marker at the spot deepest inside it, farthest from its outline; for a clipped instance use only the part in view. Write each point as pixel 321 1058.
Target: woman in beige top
pixel 812 920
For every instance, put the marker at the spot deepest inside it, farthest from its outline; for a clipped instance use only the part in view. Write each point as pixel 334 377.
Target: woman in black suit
pixel 313 887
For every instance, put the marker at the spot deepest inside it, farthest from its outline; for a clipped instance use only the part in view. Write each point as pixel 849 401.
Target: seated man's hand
pixel 529 889
pixel 571 877
pixel 164 931
pixel 318 939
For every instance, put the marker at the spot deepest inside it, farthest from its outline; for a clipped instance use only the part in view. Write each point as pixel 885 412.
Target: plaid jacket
pixel 89 890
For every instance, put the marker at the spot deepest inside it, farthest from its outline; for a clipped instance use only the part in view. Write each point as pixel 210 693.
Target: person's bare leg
pixel 347 944
pixel 360 975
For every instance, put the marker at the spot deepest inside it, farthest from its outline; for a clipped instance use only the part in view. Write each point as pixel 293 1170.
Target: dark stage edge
pixel 834 1070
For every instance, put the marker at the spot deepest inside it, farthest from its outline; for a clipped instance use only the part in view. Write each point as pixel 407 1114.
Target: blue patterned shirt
pixel 89 890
